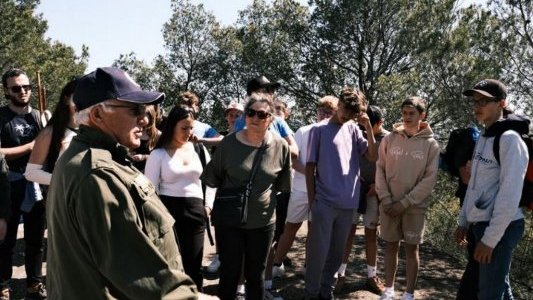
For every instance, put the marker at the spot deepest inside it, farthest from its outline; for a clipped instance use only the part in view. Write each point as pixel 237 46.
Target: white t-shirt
pixel 301 136
pixel 173 178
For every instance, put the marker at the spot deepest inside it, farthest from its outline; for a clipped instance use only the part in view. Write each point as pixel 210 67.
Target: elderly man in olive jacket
pixel 109 234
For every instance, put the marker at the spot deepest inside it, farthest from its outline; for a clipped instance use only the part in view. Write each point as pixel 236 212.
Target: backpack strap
pixel 199 148
pixel 37 117
pixel 496 147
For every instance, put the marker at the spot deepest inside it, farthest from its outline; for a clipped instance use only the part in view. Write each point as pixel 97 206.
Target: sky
pixel 113 27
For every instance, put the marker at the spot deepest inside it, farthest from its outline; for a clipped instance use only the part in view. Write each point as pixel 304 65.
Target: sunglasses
pixel 18 88
pixel 483 101
pixel 259 113
pixel 137 110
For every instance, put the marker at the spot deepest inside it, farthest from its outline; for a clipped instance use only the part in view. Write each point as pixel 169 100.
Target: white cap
pixel 235 105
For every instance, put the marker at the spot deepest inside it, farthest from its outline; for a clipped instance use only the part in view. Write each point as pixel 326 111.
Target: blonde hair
pixel 328 102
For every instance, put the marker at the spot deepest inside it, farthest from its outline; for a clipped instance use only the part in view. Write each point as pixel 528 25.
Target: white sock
pixel 240 289
pixel 268 284
pixel 408 294
pixel 389 290
pixel 342 270
pixel 372 271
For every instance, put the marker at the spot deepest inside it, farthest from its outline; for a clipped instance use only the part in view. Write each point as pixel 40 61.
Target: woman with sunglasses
pixel 174 167
pixel 54 139
pixel 231 167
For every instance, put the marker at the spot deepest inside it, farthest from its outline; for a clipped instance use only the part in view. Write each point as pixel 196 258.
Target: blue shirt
pixel 203 130
pixel 278 126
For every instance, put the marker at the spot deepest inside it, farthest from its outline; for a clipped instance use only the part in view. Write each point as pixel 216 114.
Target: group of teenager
pixel 127 193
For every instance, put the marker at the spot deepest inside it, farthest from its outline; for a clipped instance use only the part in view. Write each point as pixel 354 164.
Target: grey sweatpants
pixel 326 241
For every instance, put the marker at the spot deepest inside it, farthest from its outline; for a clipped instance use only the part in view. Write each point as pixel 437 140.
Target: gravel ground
pixel 438 277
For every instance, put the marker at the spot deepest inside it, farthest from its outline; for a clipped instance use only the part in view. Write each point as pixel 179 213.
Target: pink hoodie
pixel 406 169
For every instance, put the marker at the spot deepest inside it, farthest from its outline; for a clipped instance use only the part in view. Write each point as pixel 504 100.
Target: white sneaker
pixel 278 272
pixel 387 296
pixel 407 296
pixel 214 265
pixel 240 296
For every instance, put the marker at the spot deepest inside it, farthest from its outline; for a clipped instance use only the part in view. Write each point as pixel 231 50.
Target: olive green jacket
pixel 109 235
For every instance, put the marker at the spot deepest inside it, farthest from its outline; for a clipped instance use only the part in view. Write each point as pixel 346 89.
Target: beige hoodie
pixel 406 169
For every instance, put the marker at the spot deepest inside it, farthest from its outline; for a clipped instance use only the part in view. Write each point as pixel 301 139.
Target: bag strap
pixel 37 117
pixel 257 160
pixel 199 148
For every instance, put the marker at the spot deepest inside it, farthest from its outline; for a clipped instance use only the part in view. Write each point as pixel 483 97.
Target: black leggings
pixel 34 225
pixel 253 245
pixel 190 228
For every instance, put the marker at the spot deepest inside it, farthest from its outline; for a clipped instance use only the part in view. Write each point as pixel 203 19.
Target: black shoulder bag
pixel 230 208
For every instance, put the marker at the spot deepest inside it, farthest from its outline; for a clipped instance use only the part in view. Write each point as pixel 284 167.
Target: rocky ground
pixel 438 277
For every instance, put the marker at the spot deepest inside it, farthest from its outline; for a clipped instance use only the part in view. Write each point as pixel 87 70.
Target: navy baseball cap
pixel 111 83
pixel 491 88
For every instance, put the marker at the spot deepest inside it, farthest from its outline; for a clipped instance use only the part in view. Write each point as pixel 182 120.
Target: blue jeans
pixel 494 276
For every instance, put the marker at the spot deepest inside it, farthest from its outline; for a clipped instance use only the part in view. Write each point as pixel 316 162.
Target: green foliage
pixel 23 45
pixel 516 33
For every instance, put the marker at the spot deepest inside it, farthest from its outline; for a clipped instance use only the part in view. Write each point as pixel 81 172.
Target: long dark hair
pixel 178 113
pixel 59 123
pixel 151 128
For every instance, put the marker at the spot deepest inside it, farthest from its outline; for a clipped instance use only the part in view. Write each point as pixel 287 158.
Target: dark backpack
pixel 459 149
pixel 526 200
pixel 519 124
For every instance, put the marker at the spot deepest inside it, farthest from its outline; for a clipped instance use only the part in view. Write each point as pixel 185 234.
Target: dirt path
pixel 438 277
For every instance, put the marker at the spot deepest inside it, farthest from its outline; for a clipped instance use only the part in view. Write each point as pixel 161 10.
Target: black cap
pixel 375 114
pixel 261 82
pixel 491 88
pixel 111 83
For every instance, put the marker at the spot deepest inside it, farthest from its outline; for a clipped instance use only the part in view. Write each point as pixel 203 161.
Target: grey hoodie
pixel 494 190
pixel 406 169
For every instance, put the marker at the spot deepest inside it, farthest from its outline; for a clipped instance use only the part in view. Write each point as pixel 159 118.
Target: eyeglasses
pixel 18 88
pixel 482 102
pixel 137 110
pixel 259 113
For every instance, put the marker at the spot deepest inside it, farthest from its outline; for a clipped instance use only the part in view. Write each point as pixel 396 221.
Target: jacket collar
pixel 95 138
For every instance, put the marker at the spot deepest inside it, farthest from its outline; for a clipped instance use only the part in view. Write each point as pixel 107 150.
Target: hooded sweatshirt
pixel 406 169
pixel 494 189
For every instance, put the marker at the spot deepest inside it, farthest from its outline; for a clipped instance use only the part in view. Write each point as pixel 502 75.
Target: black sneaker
pixel 36 291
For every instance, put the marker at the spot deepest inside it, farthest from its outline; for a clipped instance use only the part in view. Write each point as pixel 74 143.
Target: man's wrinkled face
pixel 124 121
pixel 18 90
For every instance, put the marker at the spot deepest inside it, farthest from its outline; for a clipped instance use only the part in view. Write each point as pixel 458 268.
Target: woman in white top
pixel 174 167
pixel 53 139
